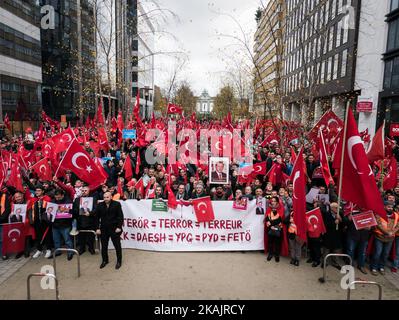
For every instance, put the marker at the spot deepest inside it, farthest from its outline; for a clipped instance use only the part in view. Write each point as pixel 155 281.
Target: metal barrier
pixel 96 239
pixel 42 275
pixel 368 283
pixel 66 250
pixel 324 278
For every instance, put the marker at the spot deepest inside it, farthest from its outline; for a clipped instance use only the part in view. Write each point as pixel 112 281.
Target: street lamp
pixel 147 90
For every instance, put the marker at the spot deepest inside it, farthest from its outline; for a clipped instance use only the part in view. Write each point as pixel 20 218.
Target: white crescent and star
pixel 296 177
pixel 14 231
pixel 352 142
pixel 201 204
pixel 40 169
pixel 76 156
pixel 172 109
pixel 69 137
pixel 310 220
pixel 217 146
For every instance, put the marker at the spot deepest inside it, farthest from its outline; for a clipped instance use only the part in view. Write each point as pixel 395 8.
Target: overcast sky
pixel 196 34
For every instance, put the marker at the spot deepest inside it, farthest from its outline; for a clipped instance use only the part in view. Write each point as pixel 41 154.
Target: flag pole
pixel 342 159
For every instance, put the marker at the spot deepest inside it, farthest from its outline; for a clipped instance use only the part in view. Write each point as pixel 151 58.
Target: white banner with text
pixel 146 228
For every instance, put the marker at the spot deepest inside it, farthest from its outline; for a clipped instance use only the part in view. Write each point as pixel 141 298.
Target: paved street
pixel 153 275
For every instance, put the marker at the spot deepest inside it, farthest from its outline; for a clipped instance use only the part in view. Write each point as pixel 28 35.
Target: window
pixel 335 66
pixel 388 74
pixel 344 63
pixel 329 68
pixel 331 39
pixel 393 35
pixel 394 4
pixel 322 72
pixel 339 33
pixel 395 74
pixel 346 32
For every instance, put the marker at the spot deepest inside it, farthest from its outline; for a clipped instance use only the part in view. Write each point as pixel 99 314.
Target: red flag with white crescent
pixel 299 195
pixel 203 209
pixel 391 177
pixel 325 168
pixel 174 109
pixel 43 170
pixel 78 161
pixel 358 182
pixel 13 238
pixel 315 223
pixel 376 149
pixel 62 140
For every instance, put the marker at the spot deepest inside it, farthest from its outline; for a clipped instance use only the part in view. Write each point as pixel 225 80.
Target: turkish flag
pixel 329 123
pixel 203 209
pixel 299 195
pixel 62 140
pixel 7 122
pixel 99 115
pixel 28 157
pixel 78 161
pixel 50 121
pixel 101 168
pixel 174 109
pixel 315 223
pixel 272 174
pixel 95 146
pixel 13 238
pixel 172 202
pixel 121 125
pixel 138 162
pixel 259 169
pixel 376 149
pixel 325 168
pixel 128 169
pixel 15 178
pixel 140 186
pixel 391 178
pixel 43 170
pixel 103 139
pixel 293 156
pixel 358 182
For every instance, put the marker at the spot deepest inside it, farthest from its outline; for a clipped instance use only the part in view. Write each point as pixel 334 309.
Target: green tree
pixel 225 102
pixel 186 98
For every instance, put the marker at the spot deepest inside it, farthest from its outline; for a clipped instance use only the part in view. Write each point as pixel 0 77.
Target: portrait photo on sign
pixel 64 211
pixel 51 211
pixel 86 205
pixel 18 214
pixel 219 170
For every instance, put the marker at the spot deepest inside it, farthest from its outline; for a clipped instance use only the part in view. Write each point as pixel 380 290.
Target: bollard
pixel 324 278
pixel 367 283
pixel 42 275
pixel 66 250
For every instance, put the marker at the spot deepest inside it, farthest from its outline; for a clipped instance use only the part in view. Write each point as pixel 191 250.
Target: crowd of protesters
pixel 375 245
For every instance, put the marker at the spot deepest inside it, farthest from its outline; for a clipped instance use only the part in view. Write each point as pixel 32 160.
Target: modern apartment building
pixel 20 60
pixel 319 57
pixel 68 57
pixel 268 52
pixel 135 36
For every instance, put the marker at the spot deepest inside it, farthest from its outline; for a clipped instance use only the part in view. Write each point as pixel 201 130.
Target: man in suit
pixel 109 221
pixel 219 175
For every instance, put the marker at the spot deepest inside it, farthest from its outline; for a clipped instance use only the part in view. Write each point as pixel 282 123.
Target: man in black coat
pixel 85 221
pixel 109 222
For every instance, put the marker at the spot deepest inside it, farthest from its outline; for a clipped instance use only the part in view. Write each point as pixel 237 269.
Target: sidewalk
pixel 392 278
pixel 11 266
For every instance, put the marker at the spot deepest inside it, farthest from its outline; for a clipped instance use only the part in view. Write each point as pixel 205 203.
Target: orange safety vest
pixel 3 204
pixel 33 209
pixel 386 223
